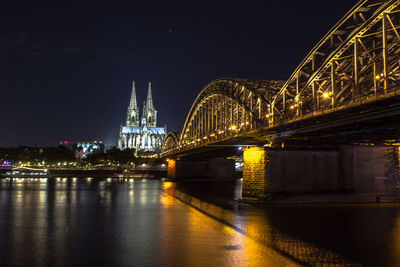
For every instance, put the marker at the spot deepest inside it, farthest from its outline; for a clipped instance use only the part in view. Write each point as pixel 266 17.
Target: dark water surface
pixel 91 222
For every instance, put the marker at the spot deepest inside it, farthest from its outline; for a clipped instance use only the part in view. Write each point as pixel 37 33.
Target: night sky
pixel 66 70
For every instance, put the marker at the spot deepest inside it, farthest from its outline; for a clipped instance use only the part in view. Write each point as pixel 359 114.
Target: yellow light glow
pixel 171 168
pixel 253 154
pixel 233 127
pixel 325 95
pixel 377 77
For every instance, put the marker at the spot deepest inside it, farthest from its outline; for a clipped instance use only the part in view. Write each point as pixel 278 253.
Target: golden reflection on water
pixel 249 233
pixel 190 234
pixel 200 235
pixel 131 197
pixel 166 200
pixel 143 197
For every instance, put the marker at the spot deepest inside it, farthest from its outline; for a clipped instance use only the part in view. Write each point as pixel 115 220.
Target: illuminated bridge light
pixel 327 95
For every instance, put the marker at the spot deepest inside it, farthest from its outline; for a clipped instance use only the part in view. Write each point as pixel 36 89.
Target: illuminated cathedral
pixel 143 134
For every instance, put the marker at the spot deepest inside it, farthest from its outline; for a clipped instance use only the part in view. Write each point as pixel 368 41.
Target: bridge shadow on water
pixel 309 234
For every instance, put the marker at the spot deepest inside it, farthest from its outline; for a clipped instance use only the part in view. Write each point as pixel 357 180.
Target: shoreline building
pixel 142 135
pixel 82 149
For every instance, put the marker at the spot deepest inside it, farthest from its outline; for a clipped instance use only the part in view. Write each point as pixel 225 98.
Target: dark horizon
pixel 67 71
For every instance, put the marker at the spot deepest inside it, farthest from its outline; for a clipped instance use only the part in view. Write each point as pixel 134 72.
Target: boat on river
pixel 130 174
pixel 25 172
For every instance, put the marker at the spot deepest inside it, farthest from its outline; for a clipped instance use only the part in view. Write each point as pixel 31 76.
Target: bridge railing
pixel 392 91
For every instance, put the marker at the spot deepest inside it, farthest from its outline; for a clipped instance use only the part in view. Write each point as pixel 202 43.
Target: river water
pixel 106 222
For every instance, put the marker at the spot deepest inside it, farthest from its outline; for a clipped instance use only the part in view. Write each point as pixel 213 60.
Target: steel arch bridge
pixel 356 62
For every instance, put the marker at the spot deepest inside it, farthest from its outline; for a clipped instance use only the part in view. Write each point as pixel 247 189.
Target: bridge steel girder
pixel 356 62
pixel 171 141
pixel 343 66
pixel 226 107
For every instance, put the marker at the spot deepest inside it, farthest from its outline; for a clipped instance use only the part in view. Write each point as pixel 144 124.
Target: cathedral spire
pixel 149 102
pixel 132 117
pixel 133 103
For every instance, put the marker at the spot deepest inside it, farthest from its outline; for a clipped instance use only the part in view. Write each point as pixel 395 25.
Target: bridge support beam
pixel 210 168
pixel 255 164
pixel 348 173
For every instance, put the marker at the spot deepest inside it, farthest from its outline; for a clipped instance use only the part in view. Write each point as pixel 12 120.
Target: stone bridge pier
pixel 211 168
pixel 349 171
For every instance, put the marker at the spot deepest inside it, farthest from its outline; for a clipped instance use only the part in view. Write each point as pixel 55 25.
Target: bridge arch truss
pixel 227 107
pixel 357 61
pixel 171 141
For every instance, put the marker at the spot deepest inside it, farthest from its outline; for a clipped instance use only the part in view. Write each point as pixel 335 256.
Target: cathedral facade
pixel 143 134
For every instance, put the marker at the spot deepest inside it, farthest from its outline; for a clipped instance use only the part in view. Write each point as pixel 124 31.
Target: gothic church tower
pixel 132 117
pixel 149 116
pixel 143 135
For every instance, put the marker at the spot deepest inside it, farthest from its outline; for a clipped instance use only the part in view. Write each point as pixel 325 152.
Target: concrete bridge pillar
pixel 211 168
pixel 255 164
pixel 348 170
pixel 171 168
